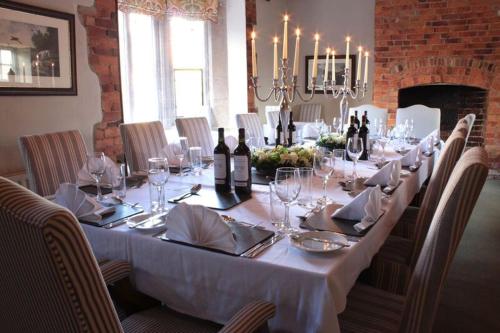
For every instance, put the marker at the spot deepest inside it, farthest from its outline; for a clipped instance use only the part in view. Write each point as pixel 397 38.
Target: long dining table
pixel 309 290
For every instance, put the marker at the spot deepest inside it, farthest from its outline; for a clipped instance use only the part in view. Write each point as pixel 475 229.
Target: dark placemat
pixel 92 189
pixel 136 181
pixel 211 199
pixel 120 213
pixel 323 221
pixel 246 237
pixel 177 169
pixel 257 178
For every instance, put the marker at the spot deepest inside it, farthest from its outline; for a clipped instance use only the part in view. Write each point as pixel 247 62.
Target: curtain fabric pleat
pixel 195 9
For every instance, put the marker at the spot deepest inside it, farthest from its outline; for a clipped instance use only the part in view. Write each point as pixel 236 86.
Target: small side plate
pixel 304 241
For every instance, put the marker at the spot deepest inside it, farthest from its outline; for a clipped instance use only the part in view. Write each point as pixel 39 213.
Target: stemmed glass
pixel 318 123
pixel 323 165
pixel 355 149
pixel 383 139
pixel 336 125
pixel 181 154
pixel 158 174
pixel 96 165
pixel 287 185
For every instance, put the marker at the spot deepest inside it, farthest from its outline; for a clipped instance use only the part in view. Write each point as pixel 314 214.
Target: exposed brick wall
pixel 101 23
pixel 439 41
pixel 251 16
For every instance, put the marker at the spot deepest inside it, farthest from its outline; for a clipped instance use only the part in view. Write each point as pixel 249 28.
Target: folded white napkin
pixel 382 176
pixel 110 176
pixel 310 131
pixel 170 151
pixel 373 209
pixel 354 210
pixel 395 174
pixel 410 157
pixel 427 143
pixel 198 225
pixel 80 204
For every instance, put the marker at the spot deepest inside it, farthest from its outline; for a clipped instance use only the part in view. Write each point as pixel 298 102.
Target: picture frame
pixel 37 51
pixel 339 67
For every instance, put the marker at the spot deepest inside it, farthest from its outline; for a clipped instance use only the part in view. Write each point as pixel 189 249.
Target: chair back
pixel 470 118
pixel 309 112
pixel 142 141
pixel 252 125
pixel 51 159
pixel 197 130
pixel 445 233
pixel 272 117
pixel 373 112
pixel 446 163
pixel 50 280
pixel 425 119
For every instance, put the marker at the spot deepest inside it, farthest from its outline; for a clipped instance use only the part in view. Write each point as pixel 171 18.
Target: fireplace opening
pixel 455 101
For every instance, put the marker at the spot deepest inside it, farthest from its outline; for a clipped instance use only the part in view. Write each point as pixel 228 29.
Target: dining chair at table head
pixel 425 119
pixel 51 159
pixel 198 132
pixel 373 113
pixel 142 141
pixel 252 125
pixel 53 283
pixel 272 118
pixel 309 112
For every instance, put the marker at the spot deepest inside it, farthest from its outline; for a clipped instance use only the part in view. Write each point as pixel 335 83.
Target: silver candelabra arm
pixel 296 91
pixel 274 90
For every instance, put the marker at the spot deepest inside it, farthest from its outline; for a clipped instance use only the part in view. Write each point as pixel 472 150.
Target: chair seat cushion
pixel 164 320
pixel 406 224
pixel 371 310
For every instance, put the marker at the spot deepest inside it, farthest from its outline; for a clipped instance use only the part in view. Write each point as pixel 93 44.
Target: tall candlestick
pixel 315 61
pixel 24 72
pixel 254 57
pixel 348 40
pixel 360 58
pixel 333 65
pixel 53 79
pixel 366 67
pixel 275 67
pixel 297 52
pixel 326 65
pixel 285 38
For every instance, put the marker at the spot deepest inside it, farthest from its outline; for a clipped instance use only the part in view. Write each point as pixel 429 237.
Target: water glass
pixel 277 207
pixel 182 153
pixel 96 166
pixel 323 164
pixel 158 174
pixel 120 184
pixel 354 150
pixel 339 163
pixel 287 184
pixel 196 161
pixel 305 198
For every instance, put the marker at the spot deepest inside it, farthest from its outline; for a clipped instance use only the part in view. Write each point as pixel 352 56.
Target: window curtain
pixel 196 9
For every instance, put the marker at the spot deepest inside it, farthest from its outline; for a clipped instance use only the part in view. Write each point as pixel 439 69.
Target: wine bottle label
pixel 294 137
pixel 220 168
pixel 240 170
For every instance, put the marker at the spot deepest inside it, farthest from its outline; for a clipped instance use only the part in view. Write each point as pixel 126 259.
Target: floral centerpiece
pixel 331 141
pixel 267 160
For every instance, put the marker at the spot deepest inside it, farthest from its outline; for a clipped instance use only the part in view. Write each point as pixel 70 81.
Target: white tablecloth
pixel 308 290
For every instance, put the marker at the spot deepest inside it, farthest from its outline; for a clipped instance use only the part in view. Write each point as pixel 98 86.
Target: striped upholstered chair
pixel 371 310
pixel 53 283
pixel 471 119
pixel 391 267
pixel 142 141
pixel 252 125
pixel 309 112
pixel 197 130
pixel 51 159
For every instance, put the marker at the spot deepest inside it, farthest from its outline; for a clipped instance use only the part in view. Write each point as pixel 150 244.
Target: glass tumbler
pixel 277 208
pixel 306 196
pixel 120 184
pixel 196 161
pixel 339 164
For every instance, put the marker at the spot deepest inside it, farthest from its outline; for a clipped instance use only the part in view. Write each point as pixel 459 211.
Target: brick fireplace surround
pixel 422 42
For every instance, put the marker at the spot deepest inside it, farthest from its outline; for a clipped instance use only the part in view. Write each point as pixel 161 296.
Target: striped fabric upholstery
pixel 309 112
pixel 197 130
pixel 52 159
pixel 471 119
pixel 370 310
pixel 49 274
pixel 252 317
pixel 114 270
pixel 272 118
pixel 251 123
pixel 142 141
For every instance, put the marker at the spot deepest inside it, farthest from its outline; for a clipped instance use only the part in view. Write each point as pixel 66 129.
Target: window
pixel 5 63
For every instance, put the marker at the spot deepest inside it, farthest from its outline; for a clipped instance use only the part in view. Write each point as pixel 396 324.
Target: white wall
pixel 333 19
pixel 23 115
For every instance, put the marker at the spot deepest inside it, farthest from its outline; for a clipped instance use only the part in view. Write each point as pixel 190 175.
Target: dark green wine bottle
pixel 242 166
pixel 222 165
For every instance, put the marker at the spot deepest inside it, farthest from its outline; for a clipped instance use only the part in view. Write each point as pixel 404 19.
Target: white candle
pixel 53 80
pixel 348 40
pixel 24 72
pixel 254 57
pixel 275 66
pixel 285 38
pixel 333 65
pixel 315 61
pixel 366 67
pixel 360 59
pixel 37 71
pixel 325 77
pixel 297 52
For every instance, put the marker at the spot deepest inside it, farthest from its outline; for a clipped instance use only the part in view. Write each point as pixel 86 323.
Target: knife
pixel 265 245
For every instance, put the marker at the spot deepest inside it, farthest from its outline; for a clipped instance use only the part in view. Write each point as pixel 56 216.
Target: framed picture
pixel 339 71
pixel 37 51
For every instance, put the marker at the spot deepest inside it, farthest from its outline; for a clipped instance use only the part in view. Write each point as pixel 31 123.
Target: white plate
pixel 302 242
pixel 148 226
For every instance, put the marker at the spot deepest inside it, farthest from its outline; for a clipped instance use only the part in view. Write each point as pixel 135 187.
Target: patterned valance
pixel 197 9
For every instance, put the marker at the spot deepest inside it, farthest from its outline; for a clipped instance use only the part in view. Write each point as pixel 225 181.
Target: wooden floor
pixel 471 298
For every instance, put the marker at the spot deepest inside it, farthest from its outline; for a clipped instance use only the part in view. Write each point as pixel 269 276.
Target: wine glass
pixel 96 166
pixel 383 139
pixel 181 154
pixel 323 165
pixel 355 149
pixel 318 123
pixel 158 174
pixel 287 185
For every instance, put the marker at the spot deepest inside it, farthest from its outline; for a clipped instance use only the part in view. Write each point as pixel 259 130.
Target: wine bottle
pixel 242 166
pixel 279 133
pixel 292 132
pixel 363 135
pixel 356 119
pixel 222 165
pixel 351 131
pixel 367 120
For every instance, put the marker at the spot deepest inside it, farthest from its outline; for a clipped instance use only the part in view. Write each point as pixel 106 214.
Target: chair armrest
pixel 114 270
pixel 250 318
